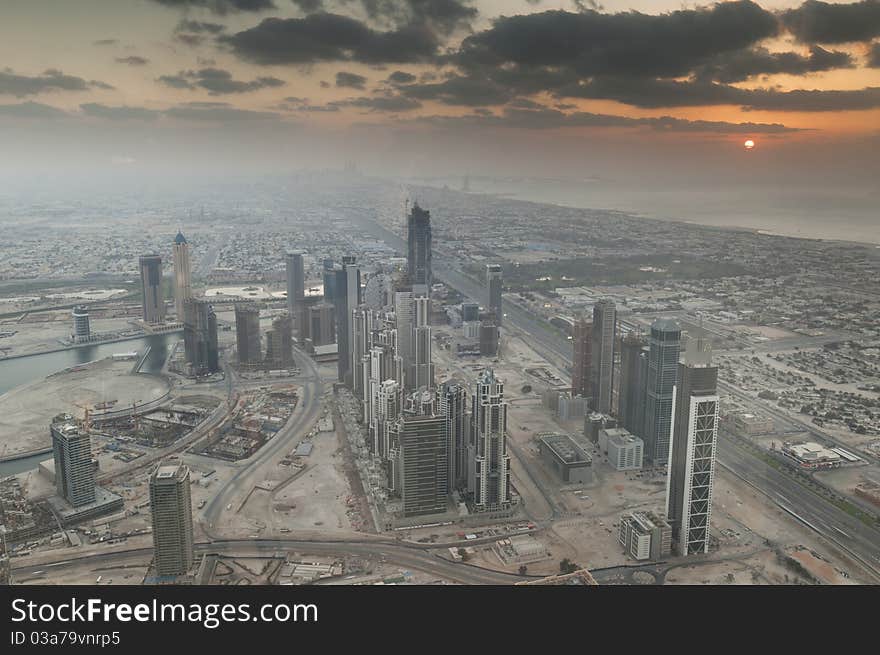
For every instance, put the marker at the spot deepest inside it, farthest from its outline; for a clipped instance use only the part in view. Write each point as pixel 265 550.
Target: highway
pixel 860 540
pixel 407 555
pixel 301 421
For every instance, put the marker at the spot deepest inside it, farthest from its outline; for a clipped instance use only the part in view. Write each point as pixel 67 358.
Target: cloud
pixel 220 7
pixel 350 80
pixel 629 43
pixel 874 55
pixel 31 110
pixel 120 113
pixel 133 60
pixel 459 90
pixel 542 118
pixel 51 80
pixel 330 37
pixel 220 112
pixel 199 27
pixel 309 6
pixel 217 81
pixel 743 64
pixel 387 103
pixel 821 22
pixel 401 77
pixel 691 93
pixel 443 16
pixel 103 42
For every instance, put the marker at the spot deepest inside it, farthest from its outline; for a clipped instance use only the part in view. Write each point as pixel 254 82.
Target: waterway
pixel 22 370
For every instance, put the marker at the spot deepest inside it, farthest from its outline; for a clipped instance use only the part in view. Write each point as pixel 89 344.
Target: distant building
pixel 182 274
pixel 347 289
pixel 322 328
pixel 74 470
pixel 645 536
pixel 470 311
pixel 602 355
pixel 421 372
pixel 664 350
pixel 171 510
pixel 594 423
pixel 570 408
pixel 631 390
pixel 200 336
pixel 693 451
pixel 296 284
pixel 494 286
pixel 570 462
pixel 82 332
pixel 581 365
pixel 419 248
pixel 152 300
pixel 625 451
pixel 488 339
pixel 452 404
pixel 247 333
pixel 279 343
pixel 424 481
pixel 489 475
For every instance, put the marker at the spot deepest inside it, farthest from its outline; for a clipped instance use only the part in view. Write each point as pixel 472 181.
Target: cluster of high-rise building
pixel 666 411
pixel 434 441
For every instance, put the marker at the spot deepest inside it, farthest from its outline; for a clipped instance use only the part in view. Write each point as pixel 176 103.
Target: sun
pixel 749 144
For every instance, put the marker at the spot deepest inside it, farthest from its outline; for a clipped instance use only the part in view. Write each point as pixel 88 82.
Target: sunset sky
pixel 380 82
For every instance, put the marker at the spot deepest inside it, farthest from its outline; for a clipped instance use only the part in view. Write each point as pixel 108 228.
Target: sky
pixel 648 91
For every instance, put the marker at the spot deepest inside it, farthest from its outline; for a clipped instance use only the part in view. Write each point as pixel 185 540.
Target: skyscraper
pixel 296 286
pixel 422 371
pixel 247 333
pixel 581 365
pixel 347 288
pixel 171 509
pixel 489 479
pixel 81 329
pixel 419 248
pixel 200 336
pixel 631 393
pixel 279 343
pixel 322 328
pixel 152 301
pixel 423 464
pixel 604 328
pixel 693 451
pixel 182 274
pixel 664 349
pixel 452 401
pixel 74 472
pixel 494 286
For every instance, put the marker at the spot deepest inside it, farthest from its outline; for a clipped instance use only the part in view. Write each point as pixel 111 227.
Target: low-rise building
pixel 625 451
pixel 566 457
pixel 645 536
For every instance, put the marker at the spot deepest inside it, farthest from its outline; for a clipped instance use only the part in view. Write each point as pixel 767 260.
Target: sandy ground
pixel 27 411
pixel 39 336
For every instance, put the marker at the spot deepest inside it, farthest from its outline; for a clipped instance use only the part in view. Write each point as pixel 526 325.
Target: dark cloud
pixel 743 64
pixel 51 80
pixel 401 77
pixel 443 16
pixel 630 43
pixel 821 22
pixel 217 81
pixel 31 110
pixel 199 27
pixel 330 37
pixel 192 40
pixel 119 113
pixel 309 6
pixel 672 93
pixel 133 60
pixel 102 42
pixel 542 118
pixel 459 90
pixel 220 7
pixel 874 55
pixel 350 80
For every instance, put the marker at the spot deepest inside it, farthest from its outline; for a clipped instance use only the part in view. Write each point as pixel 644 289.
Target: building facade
pixel 664 349
pixel 494 286
pixel 171 510
pixel 489 478
pixel 74 471
pixel 182 274
pixel 602 355
pixel 418 258
pixel 152 301
pixel 247 333
pixel 581 364
pixel 200 336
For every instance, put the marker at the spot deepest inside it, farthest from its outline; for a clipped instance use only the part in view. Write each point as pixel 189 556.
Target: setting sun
pixel 749 144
